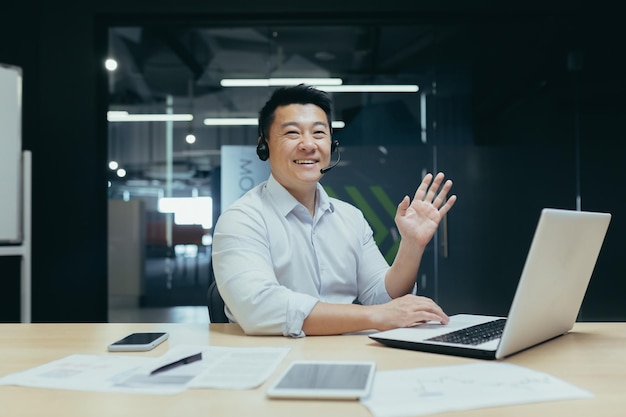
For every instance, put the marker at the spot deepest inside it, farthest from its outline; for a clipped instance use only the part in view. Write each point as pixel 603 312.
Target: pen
pixel 183 361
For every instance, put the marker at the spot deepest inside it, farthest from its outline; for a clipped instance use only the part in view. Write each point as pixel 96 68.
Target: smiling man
pixel 290 260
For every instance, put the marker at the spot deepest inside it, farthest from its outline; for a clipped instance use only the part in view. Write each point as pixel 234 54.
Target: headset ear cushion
pixel 334 145
pixel 262 151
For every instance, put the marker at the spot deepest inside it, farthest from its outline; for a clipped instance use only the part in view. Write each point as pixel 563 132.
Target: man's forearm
pixel 400 278
pixel 333 319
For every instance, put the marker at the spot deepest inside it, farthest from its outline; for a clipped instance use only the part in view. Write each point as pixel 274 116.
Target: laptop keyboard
pixel 474 335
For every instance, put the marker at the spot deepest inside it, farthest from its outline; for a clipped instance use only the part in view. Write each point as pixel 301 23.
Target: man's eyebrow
pixel 324 124
pixel 297 124
pixel 289 124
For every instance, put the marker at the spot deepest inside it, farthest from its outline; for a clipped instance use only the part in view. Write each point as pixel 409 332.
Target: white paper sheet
pixel 89 373
pixel 422 391
pixel 220 367
pixel 229 367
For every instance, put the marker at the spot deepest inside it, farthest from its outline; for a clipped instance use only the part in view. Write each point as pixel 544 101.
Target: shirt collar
pixel 285 202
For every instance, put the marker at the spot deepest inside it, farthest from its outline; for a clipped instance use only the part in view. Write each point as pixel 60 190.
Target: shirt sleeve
pixel 371 270
pixel 245 277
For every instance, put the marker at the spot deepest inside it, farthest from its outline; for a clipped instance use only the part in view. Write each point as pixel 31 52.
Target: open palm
pixel 418 220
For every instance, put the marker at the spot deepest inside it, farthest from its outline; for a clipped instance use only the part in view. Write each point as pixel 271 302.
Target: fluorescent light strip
pixel 310 81
pixel 369 88
pixel 331 85
pixel 249 121
pixel 123 116
pixel 275 82
pixel 231 121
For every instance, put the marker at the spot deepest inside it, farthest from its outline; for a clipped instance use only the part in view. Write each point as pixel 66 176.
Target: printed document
pixel 422 391
pixel 220 367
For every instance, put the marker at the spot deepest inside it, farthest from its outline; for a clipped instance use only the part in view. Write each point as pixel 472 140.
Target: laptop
pixel 550 292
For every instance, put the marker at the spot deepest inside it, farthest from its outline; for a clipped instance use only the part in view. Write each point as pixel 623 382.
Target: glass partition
pixel 178 96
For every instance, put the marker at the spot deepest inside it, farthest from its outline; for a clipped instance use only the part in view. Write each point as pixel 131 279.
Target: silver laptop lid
pixel 555 277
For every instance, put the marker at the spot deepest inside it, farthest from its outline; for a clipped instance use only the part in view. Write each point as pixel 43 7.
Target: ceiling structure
pixel 497 65
pixel 186 66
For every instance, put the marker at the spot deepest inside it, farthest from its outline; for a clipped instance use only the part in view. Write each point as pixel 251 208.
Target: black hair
pixel 298 94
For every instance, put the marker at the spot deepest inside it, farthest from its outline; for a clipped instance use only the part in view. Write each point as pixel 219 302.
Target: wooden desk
pixel 593 356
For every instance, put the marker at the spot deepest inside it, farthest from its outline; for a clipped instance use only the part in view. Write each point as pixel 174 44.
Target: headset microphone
pixel 328 168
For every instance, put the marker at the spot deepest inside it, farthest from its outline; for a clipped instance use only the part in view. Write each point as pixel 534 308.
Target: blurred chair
pixel 215 302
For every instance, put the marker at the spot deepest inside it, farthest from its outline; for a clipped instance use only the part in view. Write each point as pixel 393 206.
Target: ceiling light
pixel 275 82
pixel 122 116
pixel 110 64
pixel 310 81
pixel 410 88
pixel 331 85
pixel 231 121
pixel 250 121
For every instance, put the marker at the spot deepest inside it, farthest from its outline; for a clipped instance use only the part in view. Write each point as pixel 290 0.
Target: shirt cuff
pixel 299 307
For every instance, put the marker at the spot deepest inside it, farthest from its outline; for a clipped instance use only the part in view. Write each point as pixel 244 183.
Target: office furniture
pixel 10 153
pixel 126 245
pixel 215 302
pixel 592 356
pixel 15 183
pixel 216 305
pixel 24 248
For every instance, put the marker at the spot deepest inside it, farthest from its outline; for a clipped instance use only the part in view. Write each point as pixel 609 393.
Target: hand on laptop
pixel 407 311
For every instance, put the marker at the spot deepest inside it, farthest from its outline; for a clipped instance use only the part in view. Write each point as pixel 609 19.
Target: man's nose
pixel 307 142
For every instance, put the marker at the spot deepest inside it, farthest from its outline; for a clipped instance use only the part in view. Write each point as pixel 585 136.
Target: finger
pixel 430 196
pixel 441 197
pixel 425 316
pixel 421 191
pixel 403 206
pixel 429 306
pixel 446 207
pixel 435 312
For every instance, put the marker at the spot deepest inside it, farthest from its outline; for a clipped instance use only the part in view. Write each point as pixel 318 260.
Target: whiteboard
pixel 10 154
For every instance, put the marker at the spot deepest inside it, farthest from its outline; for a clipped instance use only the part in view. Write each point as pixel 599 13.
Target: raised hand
pixel 418 220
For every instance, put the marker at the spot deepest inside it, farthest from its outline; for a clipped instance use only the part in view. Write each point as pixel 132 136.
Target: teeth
pixel 304 161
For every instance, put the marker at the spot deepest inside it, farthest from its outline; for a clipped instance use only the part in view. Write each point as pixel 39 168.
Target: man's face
pixel 299 143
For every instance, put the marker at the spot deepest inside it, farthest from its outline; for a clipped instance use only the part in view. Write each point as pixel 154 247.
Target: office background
pixel 532 98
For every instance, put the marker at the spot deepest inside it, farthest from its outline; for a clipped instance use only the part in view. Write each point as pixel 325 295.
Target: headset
pixel 263 152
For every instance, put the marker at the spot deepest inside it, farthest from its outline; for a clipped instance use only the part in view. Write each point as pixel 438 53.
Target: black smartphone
pixel 138 342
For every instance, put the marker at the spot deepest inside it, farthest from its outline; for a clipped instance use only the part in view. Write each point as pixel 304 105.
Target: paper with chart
pixel 422 391
pixel 220 367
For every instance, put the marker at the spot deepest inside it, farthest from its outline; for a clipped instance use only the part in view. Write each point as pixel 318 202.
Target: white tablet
pixel 339 380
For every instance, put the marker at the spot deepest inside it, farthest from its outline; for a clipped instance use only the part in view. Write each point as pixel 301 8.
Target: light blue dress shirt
pixel 273 262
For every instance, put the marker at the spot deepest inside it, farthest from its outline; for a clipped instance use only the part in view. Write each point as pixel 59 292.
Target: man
pixel 290 260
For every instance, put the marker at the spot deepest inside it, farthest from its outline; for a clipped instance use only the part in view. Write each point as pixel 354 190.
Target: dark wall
pixel 56 52
pixel 60 48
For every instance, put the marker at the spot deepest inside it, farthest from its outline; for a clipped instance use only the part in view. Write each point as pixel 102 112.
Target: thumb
pixel 403 206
